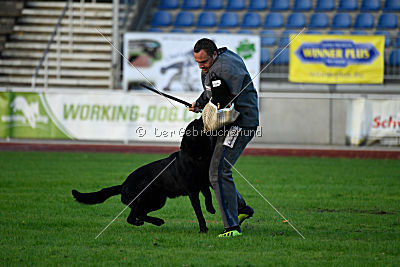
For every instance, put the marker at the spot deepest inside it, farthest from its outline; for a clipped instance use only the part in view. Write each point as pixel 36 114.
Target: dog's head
pixel 195 141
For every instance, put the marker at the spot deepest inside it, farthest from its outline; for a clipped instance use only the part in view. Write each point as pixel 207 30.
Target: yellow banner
pixel 336 59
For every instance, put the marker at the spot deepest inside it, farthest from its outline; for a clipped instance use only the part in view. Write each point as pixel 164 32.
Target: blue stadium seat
pixel 284 40
pixel 388 39
pixel 258 5
pixel 391 6
pixel 161 18
pixel 199 31
pixel 335 32
pixel 283 58
pixel 364 21
pixel 387 21
pixel 229 20
pixel 169 4
pixel 347 5
pixel 222 31
pixel 296 20
pixel 280 5
pixel 325 5
pixel 184 19
pixel 214 4
pixel 318 21
pixel 251 20
pixel 264 56
pixel 370 5
pixel 268 38
pixel 312 32
pixel 154 30
pixel 177 30
pixel 191 4
pixel 206 19
pixel 244 32
pixel 358 33
pixel 273 20
pixel 394 58
pixel 397 41
pixel 235 5
pixel 341 21
pixel 302 5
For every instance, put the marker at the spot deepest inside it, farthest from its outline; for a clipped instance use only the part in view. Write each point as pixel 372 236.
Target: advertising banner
pixel 336 59
pixel 166 59
pixel 373 121
pixel 114 116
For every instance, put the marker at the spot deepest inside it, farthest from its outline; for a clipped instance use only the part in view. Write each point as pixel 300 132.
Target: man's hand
pixel 195 107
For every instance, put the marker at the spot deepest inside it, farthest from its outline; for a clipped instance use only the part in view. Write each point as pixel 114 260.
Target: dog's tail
pixel 97 197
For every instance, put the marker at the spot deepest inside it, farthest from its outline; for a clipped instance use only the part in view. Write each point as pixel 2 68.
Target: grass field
pixel 348 210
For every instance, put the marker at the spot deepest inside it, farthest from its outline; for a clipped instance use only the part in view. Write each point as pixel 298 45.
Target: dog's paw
pixel 210 209
pixel 158 221
pixel 203 230
pixel 135 221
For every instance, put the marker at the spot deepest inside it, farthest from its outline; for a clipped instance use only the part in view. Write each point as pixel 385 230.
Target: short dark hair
pixel 208 45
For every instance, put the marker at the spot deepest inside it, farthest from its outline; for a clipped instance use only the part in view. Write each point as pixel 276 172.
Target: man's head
pixel 205 53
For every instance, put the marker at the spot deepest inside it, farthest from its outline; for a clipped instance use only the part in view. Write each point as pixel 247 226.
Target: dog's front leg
pixel 208 199
pixel 194 199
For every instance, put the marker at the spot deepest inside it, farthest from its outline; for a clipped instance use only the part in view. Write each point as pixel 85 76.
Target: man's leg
pixel 222 181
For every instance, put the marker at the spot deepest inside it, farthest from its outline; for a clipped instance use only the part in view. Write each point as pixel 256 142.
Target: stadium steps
pixel 86 65
pixel 16 81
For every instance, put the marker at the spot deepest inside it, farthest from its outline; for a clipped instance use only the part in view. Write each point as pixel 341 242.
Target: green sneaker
pixel 245 213
pixel 231 233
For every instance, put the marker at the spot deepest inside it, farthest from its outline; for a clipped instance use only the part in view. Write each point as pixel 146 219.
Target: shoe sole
pixel 247 216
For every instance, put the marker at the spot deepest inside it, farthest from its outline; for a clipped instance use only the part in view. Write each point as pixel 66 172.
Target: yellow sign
pixel 336 59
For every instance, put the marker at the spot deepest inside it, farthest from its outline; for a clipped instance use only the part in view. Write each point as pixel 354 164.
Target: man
pixel 222 69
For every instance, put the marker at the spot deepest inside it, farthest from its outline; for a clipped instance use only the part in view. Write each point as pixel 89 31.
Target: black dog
pixel 185 174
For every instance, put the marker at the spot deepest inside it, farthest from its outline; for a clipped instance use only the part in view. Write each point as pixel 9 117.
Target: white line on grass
pixel 119 52
pixel 269 63
pixel 266 199
pixel 134 199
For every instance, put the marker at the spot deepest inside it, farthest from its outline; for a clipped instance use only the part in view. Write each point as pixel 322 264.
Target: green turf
pixel 348 210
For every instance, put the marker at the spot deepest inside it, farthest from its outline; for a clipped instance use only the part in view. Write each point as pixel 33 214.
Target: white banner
pixel 120 116
pixel 166 59
pixel 373 121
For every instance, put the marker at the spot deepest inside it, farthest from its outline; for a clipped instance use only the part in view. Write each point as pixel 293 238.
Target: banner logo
pixel 333 53
pixel 30 112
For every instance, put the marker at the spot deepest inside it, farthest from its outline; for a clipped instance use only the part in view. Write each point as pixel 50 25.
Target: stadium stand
pixel 302 5
pixel 370 5
pixel 296 20
pixel 319 21
pixel 387 21
pixel 84 56
pixel 364 21
pixel 280 5
pixel 161 18
pixel 229 20
pixel 191 4
pixel 391 6
pixel 214 4
pixel 235 5
pixel 206 19
pixel 325 5
pixel 394 59
pixel 347 5
pixel 341 21
pixel 257 5
pixel 251 20
pixel 169 4
pixel 273 20
pixel 184 19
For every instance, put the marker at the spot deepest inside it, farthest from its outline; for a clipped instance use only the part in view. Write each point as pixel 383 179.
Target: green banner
pixel 24 115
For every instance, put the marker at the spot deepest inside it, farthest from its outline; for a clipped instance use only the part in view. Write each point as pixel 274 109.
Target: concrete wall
pixel 290 119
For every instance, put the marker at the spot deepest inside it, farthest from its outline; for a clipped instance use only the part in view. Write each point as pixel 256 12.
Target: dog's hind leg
pixel 208 199
pixel 152 220
pixel 133 219
pixel 194 199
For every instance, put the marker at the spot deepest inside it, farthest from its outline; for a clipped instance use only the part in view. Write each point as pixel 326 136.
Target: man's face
pixel 204 60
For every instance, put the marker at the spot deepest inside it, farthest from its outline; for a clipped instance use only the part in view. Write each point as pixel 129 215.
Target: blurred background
pixel 64 70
